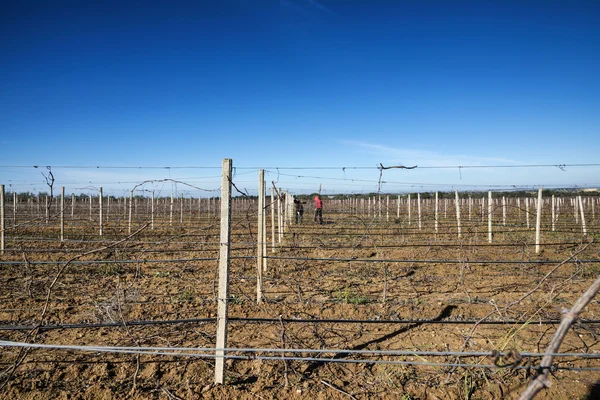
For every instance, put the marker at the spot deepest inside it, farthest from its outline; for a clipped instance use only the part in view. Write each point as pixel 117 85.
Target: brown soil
pixel 417 280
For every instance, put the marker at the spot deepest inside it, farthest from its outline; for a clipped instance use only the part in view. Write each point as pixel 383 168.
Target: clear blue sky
pixel 300 83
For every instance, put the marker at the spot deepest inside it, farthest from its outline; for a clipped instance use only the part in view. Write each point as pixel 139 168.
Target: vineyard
pixel 407 296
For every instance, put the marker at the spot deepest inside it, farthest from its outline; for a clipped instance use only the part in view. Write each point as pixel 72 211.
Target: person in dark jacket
pixel 299 211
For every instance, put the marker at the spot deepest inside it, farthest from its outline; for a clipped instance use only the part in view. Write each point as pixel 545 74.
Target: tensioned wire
pixel 177 351
pixel 440 261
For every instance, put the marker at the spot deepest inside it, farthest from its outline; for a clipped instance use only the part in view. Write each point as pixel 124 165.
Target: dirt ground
pixel 379 284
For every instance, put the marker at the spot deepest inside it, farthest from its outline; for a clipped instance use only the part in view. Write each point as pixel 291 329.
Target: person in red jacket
pixel 318 209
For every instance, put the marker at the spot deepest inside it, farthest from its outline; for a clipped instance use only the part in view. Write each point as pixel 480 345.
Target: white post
pixel 152 209
pixel 72 205
pixel 490 211
pixel 457 202
pixel 224 251
pixel 260 238
pixel 553 212
pixel 470 202
pixel 408 204
pixel 582 215
pixel 279 215
pixel 272 220
pixel 387 208
pixel 264 225
pixel 436 212
pixel 15 208
pixel 2 223
pixel 503 211
pixel 538 221
pixel 171 211
pixel 398 208
pixel 419 208
pixel 130 209
pixel 91 218
pixel 527 210
pixel 181 211
pixel 62 214
pixel 100 206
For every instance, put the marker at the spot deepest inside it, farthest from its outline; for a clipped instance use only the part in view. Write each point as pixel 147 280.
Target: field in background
pixel 370 278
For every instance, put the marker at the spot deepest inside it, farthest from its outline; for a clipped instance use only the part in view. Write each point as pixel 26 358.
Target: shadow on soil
pixel 446 312
pixel 594 392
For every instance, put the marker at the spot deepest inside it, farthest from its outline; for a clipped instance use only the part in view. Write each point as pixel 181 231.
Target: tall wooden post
pixel 260 239
pixel 272 220
pixel 503 211
pixel 171 211
pixel 2 223
pixel 100 206
pixel 224 251
pixel 152 209
pixel 62 214
pixel 387 208
pixel 130 210
pixel 582 215
pixel 15 208
pixel 436 212
pixel 553 213
pixel 408 205
pixel 538 221
pixel 490 211
pixel 419 209
pixel 457 205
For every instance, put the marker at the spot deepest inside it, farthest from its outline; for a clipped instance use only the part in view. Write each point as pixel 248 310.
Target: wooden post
pixel 100 207
pixel 272 220
pixel 503 210
pixel 582 215
pixel 152 209
pixel 436 212
pixel 259 233
pixel 419 209
pixel 264 225
pixel 2 223
pixel 387 208
pixel 72 205
pixel 171 211
pixel 62 214
pixel 527 210
pixel 490 211
pixel 279 215
pixel 14 208
pixel 457 204
pixel 130 210
pixel 470 203
pixel 538 221
pixel 224 251
pixel 47 210
pixel 181 211
pixel 408 204
pixel 553 212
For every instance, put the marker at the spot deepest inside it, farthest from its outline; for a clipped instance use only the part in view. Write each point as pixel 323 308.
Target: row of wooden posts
pixel 370 207
pixel 285 210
